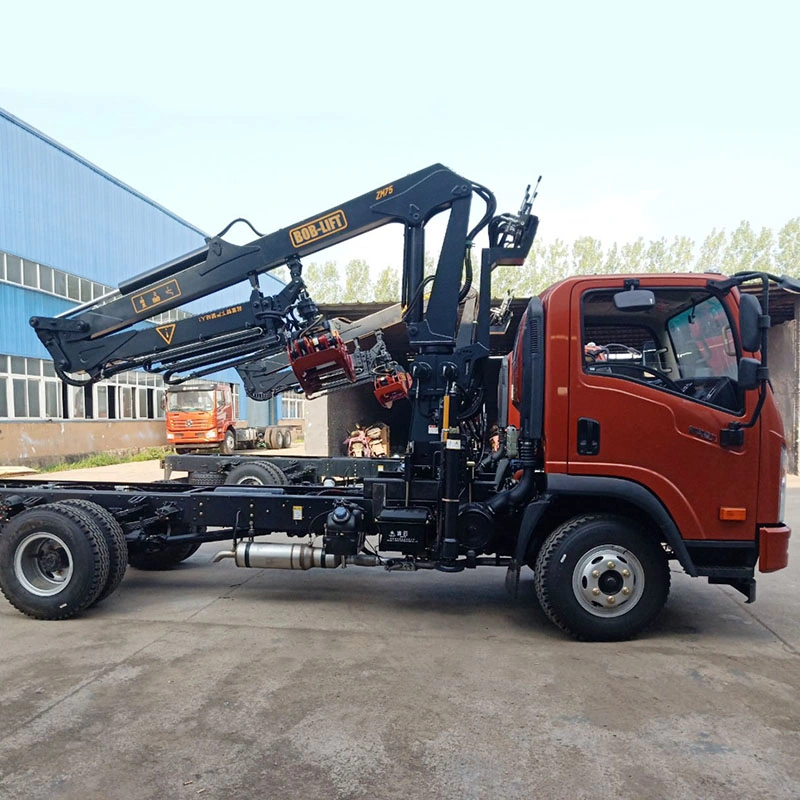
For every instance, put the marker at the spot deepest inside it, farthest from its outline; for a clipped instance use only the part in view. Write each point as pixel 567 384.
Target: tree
pixel 680 254
pixel 655 256
pixel 387 286
pixel 323 282
pixel 555 264
pixel 356 282
pixel 613 262
pixel 787 257
pixel 632 256
pixel 587 256
pixel 711 252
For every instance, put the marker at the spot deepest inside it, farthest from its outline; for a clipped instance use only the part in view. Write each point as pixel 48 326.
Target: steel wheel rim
pixel 43 564
pixel 250 481
pixel 608 581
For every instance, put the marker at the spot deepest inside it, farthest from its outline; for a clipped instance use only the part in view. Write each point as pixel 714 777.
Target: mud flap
pixel 512 578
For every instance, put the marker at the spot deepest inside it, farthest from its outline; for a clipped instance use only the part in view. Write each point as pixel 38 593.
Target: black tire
pixel 601 577
pixel 206 478
pixel 168 558
pixel 228 445
pixel 276 439
pixel 53 562
pixel 287 438
pixel 115 541
pixel 251 474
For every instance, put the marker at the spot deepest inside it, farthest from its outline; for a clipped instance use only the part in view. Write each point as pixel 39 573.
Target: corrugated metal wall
pixel 19 305
pixel 58 209
pixel 61 211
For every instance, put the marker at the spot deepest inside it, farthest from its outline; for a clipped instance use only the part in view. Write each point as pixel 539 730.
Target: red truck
pixel 647 431
pixel 200 416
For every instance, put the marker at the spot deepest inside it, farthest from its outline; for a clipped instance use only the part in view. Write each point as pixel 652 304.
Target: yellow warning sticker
pixel 166 332
pixel 158 295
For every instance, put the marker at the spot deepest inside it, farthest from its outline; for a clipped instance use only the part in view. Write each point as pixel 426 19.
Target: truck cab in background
pixel 200 416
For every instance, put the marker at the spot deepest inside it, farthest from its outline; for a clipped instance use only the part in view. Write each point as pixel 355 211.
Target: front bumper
pixel 773 547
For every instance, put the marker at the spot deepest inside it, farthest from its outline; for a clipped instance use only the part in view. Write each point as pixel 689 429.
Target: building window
pixel 101 402
pixel 45 278
pixel 126 402
pixel 77 402
pixel 13 269
pixel 292 407
pixel 52 400
pixel 30 275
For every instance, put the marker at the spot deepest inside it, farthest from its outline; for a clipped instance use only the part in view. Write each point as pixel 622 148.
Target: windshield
pixel 703 342
pixel 190 401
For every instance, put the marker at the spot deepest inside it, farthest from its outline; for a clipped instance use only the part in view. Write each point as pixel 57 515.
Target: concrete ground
pixel 217 682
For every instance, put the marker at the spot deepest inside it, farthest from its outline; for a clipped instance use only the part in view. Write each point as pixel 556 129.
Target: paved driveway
pixel 217 682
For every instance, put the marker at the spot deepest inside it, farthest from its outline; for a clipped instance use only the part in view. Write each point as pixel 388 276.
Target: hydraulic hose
pixel 524 490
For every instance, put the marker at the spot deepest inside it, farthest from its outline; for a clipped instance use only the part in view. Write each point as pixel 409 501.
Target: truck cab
pixel 200 416
pixel 648 414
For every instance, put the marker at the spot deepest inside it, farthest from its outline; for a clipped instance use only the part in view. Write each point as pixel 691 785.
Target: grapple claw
pixel 392 386
pixel 320 359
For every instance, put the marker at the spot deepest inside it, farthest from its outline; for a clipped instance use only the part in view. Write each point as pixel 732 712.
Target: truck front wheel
pixel 601 577
pixel 228 444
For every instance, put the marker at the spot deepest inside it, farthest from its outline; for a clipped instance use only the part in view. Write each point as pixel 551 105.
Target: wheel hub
pixel 608 581
pixel 43 564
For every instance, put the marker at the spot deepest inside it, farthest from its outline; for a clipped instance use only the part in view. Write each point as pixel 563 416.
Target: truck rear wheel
pixel 115 541
pixel 601 577
pixel 206 479
pixel 257 474
pixel 158 560
pixel 275 439
pixel 54 562
pixel 287 438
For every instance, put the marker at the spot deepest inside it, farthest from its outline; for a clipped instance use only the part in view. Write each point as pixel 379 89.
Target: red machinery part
pixel 319 359
pixel 391 387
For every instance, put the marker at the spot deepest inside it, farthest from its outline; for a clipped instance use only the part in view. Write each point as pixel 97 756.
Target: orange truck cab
pixel 647 399
pixel 200 416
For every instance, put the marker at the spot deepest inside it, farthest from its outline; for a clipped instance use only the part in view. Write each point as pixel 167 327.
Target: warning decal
pixel 166 332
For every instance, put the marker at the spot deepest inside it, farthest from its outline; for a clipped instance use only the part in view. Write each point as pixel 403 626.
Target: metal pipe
pixel 266 555
pixel 164 270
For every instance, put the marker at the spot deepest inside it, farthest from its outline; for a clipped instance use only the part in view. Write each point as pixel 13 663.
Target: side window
pixel 684 345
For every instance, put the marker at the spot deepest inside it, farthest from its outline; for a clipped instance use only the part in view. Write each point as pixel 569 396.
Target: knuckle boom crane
pixel 99 339
pixel 675 364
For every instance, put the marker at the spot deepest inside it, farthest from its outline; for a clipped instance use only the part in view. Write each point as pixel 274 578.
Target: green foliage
pixel 357 287
pixel 387 286
pixel 787 256
pixel 107 459
pixel 742 249
pixel 323 282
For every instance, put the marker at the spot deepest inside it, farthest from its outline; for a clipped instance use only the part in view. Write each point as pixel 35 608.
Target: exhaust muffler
pixel 264 555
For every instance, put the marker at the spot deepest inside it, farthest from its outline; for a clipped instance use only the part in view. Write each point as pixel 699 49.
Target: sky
pixel 644 119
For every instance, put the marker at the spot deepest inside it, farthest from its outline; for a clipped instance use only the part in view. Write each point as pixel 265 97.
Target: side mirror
pixel 748 373
pixel 749 314
pixel 635 300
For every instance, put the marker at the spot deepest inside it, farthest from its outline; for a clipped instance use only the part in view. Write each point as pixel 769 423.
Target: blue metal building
pixel 69 233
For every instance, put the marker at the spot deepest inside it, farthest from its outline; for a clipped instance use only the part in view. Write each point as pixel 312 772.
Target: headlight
pixel 211 434
pixel 170 436
pixel 782 491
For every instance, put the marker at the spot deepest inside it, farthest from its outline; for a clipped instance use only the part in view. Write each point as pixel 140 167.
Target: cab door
pixel 650 392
